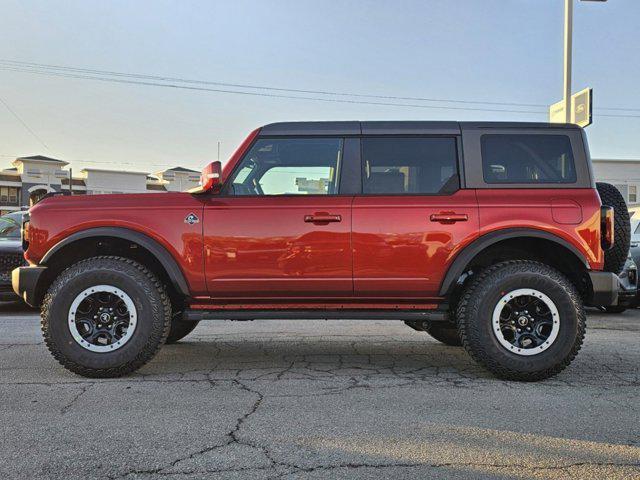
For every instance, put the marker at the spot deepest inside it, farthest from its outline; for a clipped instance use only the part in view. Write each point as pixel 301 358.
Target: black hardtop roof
pixel 395 127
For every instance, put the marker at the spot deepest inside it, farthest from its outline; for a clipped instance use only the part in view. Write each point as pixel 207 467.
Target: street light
pixel 568 40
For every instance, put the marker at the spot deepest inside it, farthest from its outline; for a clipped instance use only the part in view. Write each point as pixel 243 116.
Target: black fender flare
pixel 162 255
pixel 463 258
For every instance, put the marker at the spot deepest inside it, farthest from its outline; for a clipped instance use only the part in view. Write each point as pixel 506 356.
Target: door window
pixel 410 165
pixel 289 166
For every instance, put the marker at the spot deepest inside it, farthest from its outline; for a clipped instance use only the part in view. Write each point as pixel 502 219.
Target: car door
pixel 412 216
pixel 281 227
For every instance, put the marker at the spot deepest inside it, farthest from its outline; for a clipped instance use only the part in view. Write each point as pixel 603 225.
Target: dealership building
pixel 31 178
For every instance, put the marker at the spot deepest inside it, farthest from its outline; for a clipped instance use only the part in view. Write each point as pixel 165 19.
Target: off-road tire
pixel 145 290
pixel 179 329
pixel 475 311
pixel 444 333
pixel 615 258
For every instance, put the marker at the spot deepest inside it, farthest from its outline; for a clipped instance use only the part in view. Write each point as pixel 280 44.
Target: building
pixel 179 179
pixel 624 174
pixel 33 177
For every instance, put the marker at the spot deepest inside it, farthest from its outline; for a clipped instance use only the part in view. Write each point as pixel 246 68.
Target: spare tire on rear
pixel 615 258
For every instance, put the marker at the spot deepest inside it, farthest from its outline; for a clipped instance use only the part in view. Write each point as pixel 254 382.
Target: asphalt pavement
pixel 319 399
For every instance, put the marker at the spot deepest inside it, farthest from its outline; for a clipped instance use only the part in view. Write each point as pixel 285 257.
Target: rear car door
pixel 281 228
pixel 412 217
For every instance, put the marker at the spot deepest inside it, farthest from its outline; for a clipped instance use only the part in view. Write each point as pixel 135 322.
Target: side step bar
pixel 198 315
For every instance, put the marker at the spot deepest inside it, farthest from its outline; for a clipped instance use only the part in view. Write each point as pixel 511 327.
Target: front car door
pixel 412 216
pixel 281 228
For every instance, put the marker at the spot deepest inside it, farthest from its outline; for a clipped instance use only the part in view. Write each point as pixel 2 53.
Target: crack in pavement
pixel 83 390
pixel 294 469
pixel 232 435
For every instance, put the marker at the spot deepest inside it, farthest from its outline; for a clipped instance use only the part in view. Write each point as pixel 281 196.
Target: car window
pixel 289 166
pixel 9 226
pixel 409 165
pixel 527 159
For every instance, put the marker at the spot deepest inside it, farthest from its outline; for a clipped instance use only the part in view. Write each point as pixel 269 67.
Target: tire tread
pixel 466 326
pixel 111 262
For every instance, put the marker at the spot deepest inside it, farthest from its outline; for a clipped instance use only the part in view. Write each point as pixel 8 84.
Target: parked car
pixel 490 234
pixel 635 240
pixel 628 293
pixel 11 254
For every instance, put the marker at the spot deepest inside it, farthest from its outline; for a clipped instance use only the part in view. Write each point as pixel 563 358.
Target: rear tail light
pixel 607 237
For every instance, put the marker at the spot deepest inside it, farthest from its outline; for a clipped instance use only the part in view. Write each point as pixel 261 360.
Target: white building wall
pixel 33 171
pixel 100 181
pixel 179 181
pixel 624 174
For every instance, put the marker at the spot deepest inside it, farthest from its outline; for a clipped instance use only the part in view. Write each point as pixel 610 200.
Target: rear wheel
pixel 522 320
pixel 105 317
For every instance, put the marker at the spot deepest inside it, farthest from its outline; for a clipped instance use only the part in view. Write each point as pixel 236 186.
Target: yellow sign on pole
pixel 581 109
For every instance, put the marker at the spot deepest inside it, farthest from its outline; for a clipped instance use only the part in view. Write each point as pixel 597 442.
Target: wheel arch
pixel 482 244
pixel 170 267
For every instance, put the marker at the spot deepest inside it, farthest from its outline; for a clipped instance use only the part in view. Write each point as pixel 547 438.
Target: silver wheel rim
pixel 102 318
pixel 526 322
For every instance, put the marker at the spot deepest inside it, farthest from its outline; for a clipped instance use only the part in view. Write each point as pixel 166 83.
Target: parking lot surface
pixel 319 399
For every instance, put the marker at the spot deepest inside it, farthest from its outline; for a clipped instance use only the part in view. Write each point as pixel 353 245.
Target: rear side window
pixel 409 165
pixel 527 159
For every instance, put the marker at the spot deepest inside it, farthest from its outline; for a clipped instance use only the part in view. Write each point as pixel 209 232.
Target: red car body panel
pixel 262 247
pixel 570 214
pixel 160 216
pixel 398 250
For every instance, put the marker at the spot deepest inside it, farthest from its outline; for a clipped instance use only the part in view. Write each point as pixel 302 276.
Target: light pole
pixel 568 44
pixel 568 50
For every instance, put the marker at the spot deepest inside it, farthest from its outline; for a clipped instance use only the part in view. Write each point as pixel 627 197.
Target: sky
pixel 507 51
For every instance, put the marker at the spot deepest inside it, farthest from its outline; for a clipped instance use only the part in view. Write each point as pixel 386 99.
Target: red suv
pixel 488 235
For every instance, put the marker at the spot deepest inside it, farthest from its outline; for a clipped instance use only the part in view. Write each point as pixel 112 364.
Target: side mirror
pixel 210 178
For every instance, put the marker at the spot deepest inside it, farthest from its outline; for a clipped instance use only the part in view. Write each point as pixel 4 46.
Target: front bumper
pixel 606 287
pixel 25 283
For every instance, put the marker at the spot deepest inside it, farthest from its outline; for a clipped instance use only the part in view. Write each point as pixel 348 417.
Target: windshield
pixel 10 225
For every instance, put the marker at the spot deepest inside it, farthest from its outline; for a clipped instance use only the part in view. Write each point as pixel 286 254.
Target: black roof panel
pixel 470 125
pixel 394 127
pixel 311 128
pixel 410 128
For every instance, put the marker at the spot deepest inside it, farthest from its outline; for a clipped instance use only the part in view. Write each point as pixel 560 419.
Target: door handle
pixel 322 218
pixel 449 217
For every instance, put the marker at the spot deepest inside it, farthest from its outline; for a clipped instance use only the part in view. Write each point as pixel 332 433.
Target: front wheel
pixel 105 317
pixel 522 320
